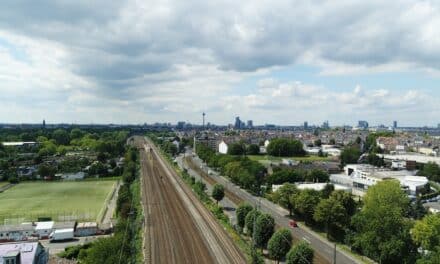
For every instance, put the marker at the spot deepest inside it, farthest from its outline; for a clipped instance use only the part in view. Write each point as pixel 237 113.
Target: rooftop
pixel 27 251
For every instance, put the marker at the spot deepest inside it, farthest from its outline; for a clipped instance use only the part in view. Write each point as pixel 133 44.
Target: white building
pixel 321 186
pixel 223 147
pixel 266 143
pixel 364 176
pixel 24 253
pixel 43 229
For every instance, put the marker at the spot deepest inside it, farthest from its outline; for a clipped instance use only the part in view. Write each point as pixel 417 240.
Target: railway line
pixel 178 228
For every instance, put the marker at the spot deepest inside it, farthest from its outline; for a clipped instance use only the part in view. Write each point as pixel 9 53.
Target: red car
pixel 292 223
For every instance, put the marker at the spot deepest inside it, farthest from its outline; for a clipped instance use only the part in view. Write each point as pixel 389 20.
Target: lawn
pixel 272 158
pixel 2 184
pixel 60 200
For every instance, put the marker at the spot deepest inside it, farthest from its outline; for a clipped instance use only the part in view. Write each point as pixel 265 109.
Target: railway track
pixel 179 229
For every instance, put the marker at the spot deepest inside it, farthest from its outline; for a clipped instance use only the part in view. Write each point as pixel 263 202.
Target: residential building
pixel 223 147
pixel 23 253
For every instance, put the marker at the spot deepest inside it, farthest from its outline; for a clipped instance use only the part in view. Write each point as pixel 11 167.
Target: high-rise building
pixel 250 124
pixel 363 124
pixel 438 126
pixel 395 124
pixel 180 125
pixel 237 124
pixel 44 123
pixel 306 125
pixel 326 125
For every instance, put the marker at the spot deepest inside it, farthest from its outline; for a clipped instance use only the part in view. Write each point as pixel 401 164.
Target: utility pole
pixel 334 255
pixel 203 120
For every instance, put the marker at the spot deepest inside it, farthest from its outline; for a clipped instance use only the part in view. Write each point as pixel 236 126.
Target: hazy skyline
pixel 282 62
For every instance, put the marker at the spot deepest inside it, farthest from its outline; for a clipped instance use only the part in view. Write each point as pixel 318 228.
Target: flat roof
pixel 44 225
pixel 11 228
pixel 27 251
pixel 19 143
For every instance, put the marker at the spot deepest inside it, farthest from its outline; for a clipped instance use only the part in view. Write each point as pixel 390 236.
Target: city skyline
pixel 276 62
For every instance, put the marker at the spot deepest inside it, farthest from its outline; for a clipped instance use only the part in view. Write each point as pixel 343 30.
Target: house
pixel 23 253
pixel 43 229
pixel 433 207
pixel 266 143
pixel 223 147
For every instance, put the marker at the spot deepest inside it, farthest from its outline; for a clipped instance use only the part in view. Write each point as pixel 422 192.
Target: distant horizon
pixel 217 124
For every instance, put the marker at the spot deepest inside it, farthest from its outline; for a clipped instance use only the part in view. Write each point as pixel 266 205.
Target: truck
pixel 61 235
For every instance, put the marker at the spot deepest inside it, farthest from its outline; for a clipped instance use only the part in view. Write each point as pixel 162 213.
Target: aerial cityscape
pixel 258 132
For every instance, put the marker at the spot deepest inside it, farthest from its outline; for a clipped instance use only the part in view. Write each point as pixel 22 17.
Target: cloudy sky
pixel 271 61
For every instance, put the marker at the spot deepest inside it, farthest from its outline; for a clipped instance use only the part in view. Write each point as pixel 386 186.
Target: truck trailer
pixel 61 235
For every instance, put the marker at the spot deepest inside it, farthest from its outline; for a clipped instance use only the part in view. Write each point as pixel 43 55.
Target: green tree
pixel 61 137
pixel 350 155
pixel 253 149
pixel 305 203
pixel 381 229
pixel 237 148
pixel 426 232
pixel 301 253
pixel 332 214
pixel 327 191
pixel 283 196
pixel 282 147
pixel 431 170
pixel 45 170
pixel 332 141
pixel 318 142
pixel 106 250
pixel 279 244
pixel 264 229
pixel 432 257
pixel 218 192
pixel 76 133
pixel 317 175
pixel 250 220
pixel 242 210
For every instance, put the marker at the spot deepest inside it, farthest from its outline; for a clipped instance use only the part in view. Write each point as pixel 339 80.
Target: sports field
pixel 60 200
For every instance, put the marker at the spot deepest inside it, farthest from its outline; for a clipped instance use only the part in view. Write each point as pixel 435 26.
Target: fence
pixel 60 216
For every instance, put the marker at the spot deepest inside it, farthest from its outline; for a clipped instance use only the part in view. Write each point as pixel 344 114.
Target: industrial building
pixel 362 176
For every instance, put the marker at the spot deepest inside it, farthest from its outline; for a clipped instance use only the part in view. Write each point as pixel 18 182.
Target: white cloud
pixel 136 61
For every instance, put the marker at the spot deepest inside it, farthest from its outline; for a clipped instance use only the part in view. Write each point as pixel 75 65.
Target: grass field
pixel 3 184
pixel 81 200
pixel 272 158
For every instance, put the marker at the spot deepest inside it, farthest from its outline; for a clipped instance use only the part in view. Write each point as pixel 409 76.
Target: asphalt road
pixel 179 229
pixel 324 250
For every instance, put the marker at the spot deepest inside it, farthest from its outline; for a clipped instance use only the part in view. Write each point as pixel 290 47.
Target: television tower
pixel 203 120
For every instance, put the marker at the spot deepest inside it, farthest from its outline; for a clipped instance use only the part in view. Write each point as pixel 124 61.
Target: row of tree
pixel 261 228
